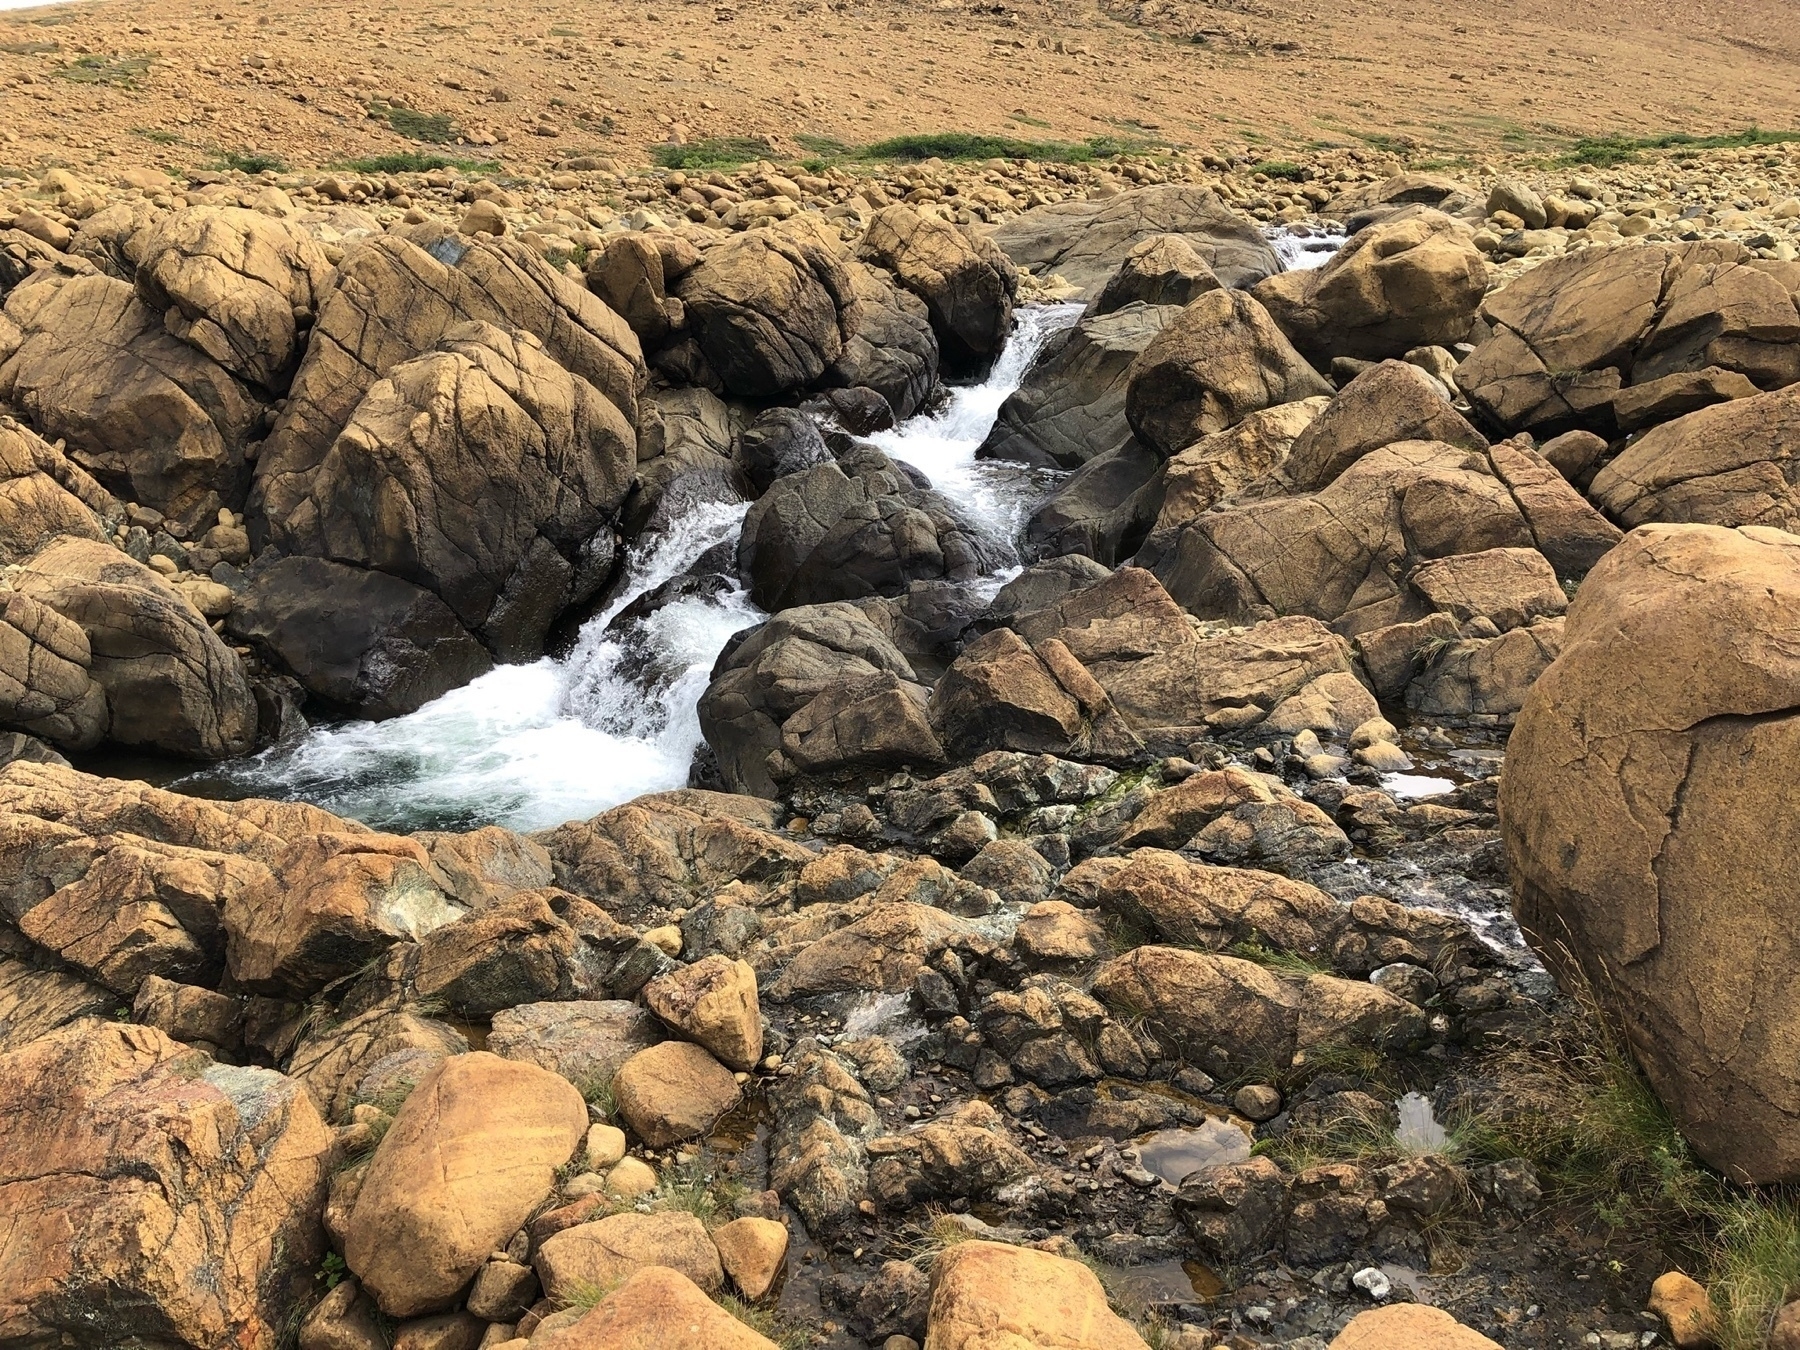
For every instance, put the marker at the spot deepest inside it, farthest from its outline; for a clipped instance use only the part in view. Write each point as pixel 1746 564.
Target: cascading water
pixel 530 746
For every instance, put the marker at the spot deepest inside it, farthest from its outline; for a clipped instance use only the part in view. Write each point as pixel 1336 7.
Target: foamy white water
pixel 997 496
pixel 531 746
pixel 1300 252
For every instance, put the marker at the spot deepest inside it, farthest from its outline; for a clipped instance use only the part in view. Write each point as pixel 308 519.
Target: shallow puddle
pixel 1173 1154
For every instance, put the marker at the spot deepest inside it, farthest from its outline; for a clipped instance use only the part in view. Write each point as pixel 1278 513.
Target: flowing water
pixel 530 746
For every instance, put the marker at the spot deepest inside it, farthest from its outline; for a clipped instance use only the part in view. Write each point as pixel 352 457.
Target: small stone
pixel 579 1187
pixel 1258 1102
pixel 1383 757
pixel 630 1178
pixel 1373 1282
pixel 666 939
pixel 605 1146
pixel 1682 1303
pixel 482 217
pixel 753 1252
pixel 1373 730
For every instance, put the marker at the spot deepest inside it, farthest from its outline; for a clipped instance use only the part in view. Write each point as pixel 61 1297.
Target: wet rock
pixel 469 1156
pixel 893 350
pixel 856 529
pixel 603 1252
pixel 1086 242
pixel 962 1156
pixel 713 1003
pixel 817 1155
pixel 1643 909
pixel 170 684
pixel 153 419
pixel 107 1125
pixel 1221 359
pixel 1234 1212
pixel 1070 407
pixel 1335 1212
pixel 780 442
pixel 1414 280
pixel 981 1289
pixel 965 280
pixel 673 1091
pixel 1104 509
pixel 893 1302
pixel 362 640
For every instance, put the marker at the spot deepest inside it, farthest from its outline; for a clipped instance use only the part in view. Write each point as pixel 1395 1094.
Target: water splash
pixel 1302 252
pixel 530 746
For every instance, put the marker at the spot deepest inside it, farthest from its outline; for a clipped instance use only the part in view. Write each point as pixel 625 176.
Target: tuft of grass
pixel 923 1245
pixel 251 161
pixel 416 161
pixel 1285 171
pixel 695 1188
pixel 587 1293
pixel 157 135
pixel 1608 151
pixel 1281 962
pixel 432 128
pixel 116 72
pixel 1755 1265
pixel 963 145
pixel 767 1323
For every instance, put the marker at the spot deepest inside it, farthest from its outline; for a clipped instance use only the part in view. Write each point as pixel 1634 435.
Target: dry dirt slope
pixel 182 82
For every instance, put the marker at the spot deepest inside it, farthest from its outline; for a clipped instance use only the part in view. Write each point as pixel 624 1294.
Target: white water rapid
pixel 530 746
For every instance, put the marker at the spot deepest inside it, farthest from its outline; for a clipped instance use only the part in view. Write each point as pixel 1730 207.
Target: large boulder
pixel 1103 510
pixel 1004 693
pixel 1388 195
pixel 1414 280
pixel 362 641
pixel 236 284
pixel 1733 464
pixel 1160 672
pixel 771 309
pixel 989 1294
pixel 482 471
pixel 965 280
pixel 778 670
pixel 43 495
pixel 170 683
pixel 1162 270
pixel 893 349
pixel 1070 407
pixel 153 1194
pixel 1239 460
pixel 1221 359
pixel 1392 401
pixel 396 297
pixel 1336 554
pixel 882 952
pixel 602 1253
pixel 857 528
pixel 156 421
pixel 634 273
pixel 673 1091
pixel 473 1151
pixel 1649 834
pixel 587 1041
pixel 1409 1326
pixel 1572 333
pixel 1085 242
pixel 46 680
pixel 712 1003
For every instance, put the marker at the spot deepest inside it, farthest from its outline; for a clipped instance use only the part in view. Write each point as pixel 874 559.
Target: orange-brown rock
pixel 151 1192
pixel 988 1294
pixel 660 1307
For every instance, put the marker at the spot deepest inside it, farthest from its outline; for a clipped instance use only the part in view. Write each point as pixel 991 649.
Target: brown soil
pixel 552 80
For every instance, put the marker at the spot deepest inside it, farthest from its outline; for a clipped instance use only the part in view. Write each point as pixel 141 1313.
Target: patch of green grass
pixel 251 161
pixel 416 161
pixel 1027 120
pixel 963 145
pixel 921 1246
pixel 1608 151
pixel 1281 169
pixel 587 1293
pixel 694 1188
pixel 116 72
pixel 157 135
pixel 432 128
pixel 720 152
